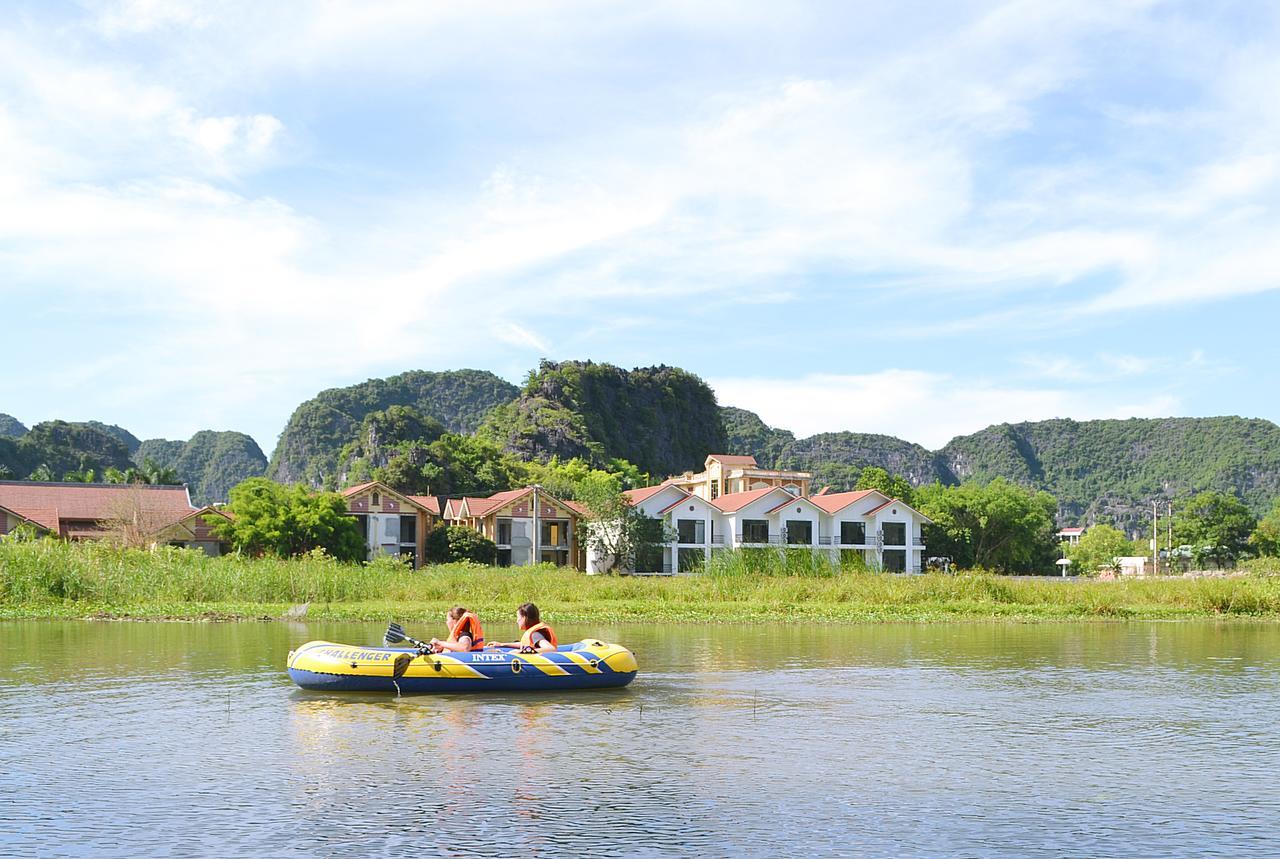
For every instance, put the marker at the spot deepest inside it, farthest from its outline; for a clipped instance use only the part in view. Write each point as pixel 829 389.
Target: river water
pixel 128 739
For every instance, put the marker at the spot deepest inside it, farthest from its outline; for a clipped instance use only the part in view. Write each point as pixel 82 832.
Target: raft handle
pixel 437 665
pixel 515 666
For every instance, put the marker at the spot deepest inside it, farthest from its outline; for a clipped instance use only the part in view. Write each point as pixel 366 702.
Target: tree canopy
pixel 997 525
pixel 270 519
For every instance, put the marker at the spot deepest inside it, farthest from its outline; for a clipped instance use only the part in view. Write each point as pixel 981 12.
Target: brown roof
pixel 638 496
pixel 357 489
pixel 50 504
pixel 482 506
pixel 735 501
pixel 733 459
pixel 834 502
pixel 429 502
pixel 576 508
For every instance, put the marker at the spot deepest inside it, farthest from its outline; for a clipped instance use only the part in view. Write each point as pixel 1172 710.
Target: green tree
pixel 623 536
pixel 41 473
pixel 1215 523
pixel 270 519
pixel 874 477
pixel 1098 547
pixel 997 525
pixel 1266 537
pixel 575 477
pixel 458 543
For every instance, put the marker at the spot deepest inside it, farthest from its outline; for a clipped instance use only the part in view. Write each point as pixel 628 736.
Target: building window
pixel 376 502
pixel 504 534
pixel 792 488
pixel 362 523
pixel 853 533
pixel 755 531
pixel 391 528
pixel 895 560
pixel 408 529
pixel 715 489
pixel 691 559
pixel 691 530
pixel 895 533
pixel 555 533
pixel 800 532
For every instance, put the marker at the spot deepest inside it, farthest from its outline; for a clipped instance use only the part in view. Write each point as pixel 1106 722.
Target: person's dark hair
pixel 456 612
pixel 530 612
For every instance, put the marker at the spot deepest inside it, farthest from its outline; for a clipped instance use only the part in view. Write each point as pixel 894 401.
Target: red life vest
pixel 526 637
pixel 468 624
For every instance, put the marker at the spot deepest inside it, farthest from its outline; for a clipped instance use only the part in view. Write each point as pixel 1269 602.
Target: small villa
pixel 89 511
pixel 529 525
pixel 884 532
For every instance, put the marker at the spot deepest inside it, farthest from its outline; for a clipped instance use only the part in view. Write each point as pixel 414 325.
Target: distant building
pixel 726 474
pixel 1070 536
pixel 529 525
pixel 392 523
pixel 89 511
pixel 883 531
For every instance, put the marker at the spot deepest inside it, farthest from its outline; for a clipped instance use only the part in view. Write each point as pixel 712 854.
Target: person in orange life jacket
pixel 464 632
pixel 534 634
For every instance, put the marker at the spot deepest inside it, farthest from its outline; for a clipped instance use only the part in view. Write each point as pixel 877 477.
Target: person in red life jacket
pixel 465 632
pixel 534 634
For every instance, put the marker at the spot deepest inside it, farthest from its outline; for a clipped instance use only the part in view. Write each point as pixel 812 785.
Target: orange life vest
pixel 469 624
pixel 526 637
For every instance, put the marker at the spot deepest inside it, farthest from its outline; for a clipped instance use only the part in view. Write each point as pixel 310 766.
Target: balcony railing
pixel 772 539
pixel 918 542
pixel 717 539
pixel 825 541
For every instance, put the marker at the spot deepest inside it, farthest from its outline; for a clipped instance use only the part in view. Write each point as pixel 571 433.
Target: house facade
pixel 89 511
pixel 726 474
pixel 884 533
pixel 392 523
pixel 528 525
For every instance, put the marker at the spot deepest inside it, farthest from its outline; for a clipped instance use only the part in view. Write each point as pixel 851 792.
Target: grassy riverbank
pixel 53 579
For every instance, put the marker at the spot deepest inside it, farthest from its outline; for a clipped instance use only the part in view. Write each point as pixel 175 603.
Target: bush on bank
pixel 51 578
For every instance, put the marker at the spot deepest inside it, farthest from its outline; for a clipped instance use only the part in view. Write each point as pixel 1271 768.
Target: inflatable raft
pixel 331 667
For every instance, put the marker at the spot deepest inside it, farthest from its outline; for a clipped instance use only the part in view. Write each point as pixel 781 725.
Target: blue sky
pixel 910 218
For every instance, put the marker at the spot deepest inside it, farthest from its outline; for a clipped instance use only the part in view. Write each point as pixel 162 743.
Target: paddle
pixel 396 634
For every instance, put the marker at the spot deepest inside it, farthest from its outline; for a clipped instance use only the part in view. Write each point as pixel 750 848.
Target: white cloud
pixel 927 408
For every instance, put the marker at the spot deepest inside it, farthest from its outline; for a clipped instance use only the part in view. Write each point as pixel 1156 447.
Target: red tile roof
pixel 429 502
pixel 792 500
pixel 735 501
pixel 733 459
pixel 50 504
pixel 356 490
pixel 46 519
pixel 639 496
pixel 834 502
pixel 482 506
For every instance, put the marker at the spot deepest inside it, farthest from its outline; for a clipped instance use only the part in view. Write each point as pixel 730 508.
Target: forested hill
pixel 11 427
pixel 662 419
pixel 308 449
pixel 210 463
pixel 1117 467
pixel 1112 469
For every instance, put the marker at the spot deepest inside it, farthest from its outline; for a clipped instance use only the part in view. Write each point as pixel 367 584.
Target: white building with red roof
pixel 885 532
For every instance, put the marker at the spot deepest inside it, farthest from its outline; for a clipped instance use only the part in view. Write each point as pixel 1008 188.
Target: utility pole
pixel 1155 537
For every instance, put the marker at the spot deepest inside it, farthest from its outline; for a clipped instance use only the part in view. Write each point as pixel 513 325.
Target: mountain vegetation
pixel 662 419
pixel 1099 471
pixel 309 448
pixel 54 448
pixel 11 427
pixel 210 463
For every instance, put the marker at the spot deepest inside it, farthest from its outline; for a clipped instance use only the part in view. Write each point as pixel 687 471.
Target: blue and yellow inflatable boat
pixel 329 667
